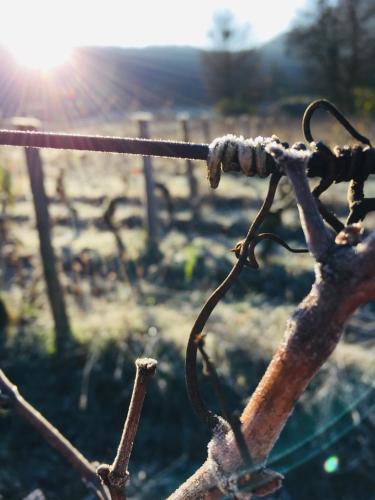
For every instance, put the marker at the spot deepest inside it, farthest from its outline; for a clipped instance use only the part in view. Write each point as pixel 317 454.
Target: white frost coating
pixel 288 156
pixel 228 152
pixel 294 162
pixel 220 451
pixel 245 157
pixel 227 483
pixel 222 149
pixel 215 150
pixel 218 447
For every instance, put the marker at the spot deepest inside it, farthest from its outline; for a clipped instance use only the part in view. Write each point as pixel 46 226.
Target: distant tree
pixel 231 69
pixel 336 43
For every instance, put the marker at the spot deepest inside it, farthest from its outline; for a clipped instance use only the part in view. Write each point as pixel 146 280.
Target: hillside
pixel 108 80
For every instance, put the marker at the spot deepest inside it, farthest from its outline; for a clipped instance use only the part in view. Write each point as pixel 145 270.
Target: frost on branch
pixel 293 162
pixel 218 454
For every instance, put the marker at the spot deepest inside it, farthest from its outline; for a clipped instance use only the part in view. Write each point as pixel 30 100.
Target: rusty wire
pixel 343 164
pixel 104 144
pixel 150 147
pixel 356 165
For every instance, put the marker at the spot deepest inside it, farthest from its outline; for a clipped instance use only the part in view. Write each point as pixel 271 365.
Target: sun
pixel 43 57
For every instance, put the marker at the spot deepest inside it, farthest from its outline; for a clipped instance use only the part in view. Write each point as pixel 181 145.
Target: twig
pixel 294 163
pixel 116 475
pixel 162 188
pixel 112 226
pixel 61 192
pixel 50 434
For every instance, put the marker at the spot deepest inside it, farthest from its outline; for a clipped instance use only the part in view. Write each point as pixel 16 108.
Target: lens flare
pixel 43 57
pixel 331 465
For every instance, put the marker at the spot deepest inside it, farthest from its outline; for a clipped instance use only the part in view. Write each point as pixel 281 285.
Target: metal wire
pixel 351 164
pixel 104 144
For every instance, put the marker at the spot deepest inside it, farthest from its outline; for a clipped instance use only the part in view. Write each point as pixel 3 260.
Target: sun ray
pixel 39 56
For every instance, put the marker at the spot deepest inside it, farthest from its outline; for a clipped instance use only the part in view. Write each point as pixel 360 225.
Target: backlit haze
pixel 41 34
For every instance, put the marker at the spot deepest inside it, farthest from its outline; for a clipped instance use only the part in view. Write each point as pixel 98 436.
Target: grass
pixel 116 319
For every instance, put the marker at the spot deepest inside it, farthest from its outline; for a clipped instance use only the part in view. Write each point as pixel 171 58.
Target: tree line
pixel 333 43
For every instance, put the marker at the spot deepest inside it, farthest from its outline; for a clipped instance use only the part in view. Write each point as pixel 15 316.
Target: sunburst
pixel 43 57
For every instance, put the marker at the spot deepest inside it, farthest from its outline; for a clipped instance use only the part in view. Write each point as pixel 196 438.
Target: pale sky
pixel 52 27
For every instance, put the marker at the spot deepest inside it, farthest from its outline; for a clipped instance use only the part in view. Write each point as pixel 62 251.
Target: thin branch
pixel 116 475
pixel 293 163
pixel 50 434
pixel 108 217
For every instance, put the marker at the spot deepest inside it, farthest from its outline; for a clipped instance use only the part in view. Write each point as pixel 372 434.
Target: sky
pixel 47 29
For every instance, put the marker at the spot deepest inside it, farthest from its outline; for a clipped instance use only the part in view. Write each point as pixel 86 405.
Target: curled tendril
pixel 328 106
pixel 194 342
pixel 251 259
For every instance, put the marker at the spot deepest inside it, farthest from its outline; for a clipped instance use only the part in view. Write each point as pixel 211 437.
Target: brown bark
pixel 115 476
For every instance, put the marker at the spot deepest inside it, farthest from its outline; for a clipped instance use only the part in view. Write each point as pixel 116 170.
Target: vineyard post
pixel 244 121
pixel 40 200
pixel 193 184
pixel 143 120
pixel 206 129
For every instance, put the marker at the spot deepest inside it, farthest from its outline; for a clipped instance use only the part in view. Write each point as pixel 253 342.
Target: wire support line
pixel 338 165
pixel 104 144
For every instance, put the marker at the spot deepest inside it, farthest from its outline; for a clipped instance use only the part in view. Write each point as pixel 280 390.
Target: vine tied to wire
pixel 253 157
pixel 261 157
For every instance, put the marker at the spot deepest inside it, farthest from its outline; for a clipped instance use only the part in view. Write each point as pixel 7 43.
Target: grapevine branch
pixel 107 481
pixel 344 279
pixel 12 399
pixel 116 475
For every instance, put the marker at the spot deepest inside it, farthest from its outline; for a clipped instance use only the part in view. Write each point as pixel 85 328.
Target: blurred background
pixel 140 243
pixel 73 61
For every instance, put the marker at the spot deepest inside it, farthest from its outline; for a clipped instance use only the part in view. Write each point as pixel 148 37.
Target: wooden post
pixel 206 129
pixel 193 184
pixel 54 290
pixel 245 125
pixel 143 120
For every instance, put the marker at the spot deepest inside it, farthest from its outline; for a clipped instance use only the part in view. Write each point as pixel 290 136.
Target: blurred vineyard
pixel 124 301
